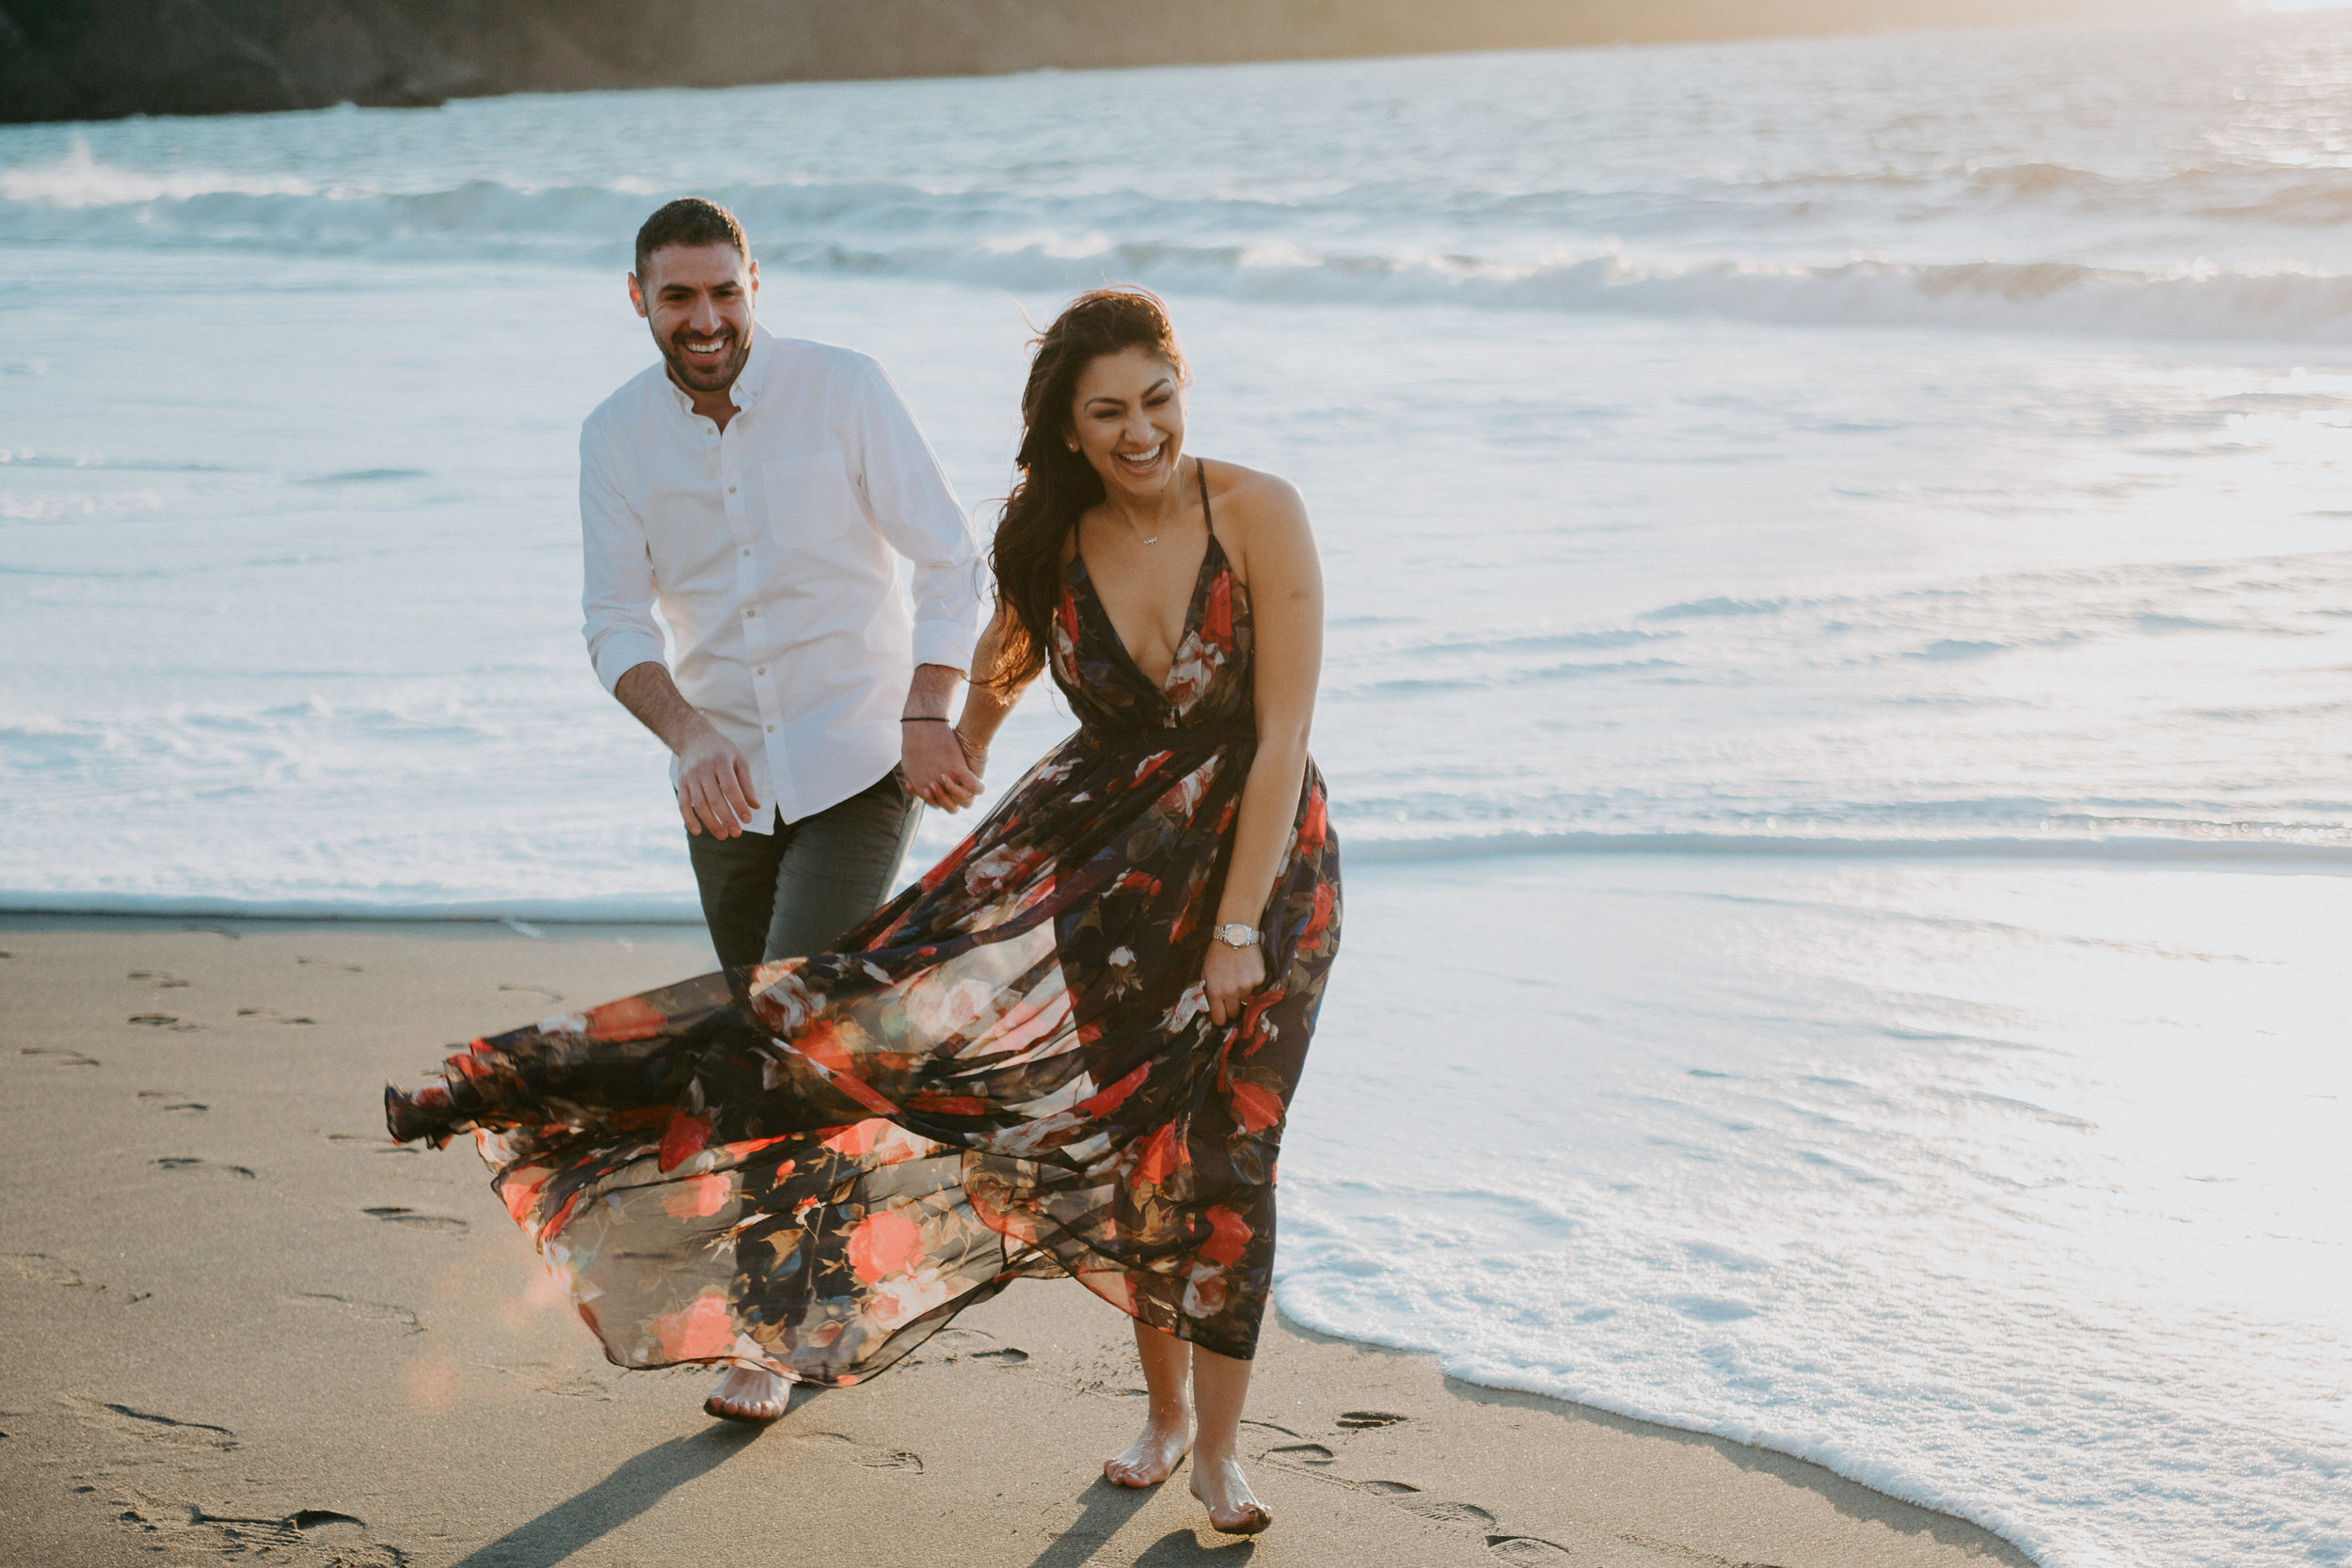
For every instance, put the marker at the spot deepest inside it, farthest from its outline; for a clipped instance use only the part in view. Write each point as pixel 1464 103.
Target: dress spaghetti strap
pixel 1201 472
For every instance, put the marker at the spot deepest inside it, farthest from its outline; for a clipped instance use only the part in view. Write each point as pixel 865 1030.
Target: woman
pixel 1069 1049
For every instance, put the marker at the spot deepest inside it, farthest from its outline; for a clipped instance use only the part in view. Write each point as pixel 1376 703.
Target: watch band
pixel 1235 934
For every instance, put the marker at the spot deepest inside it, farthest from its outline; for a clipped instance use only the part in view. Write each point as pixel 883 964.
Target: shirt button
pixel 747 549
pixel 730 489
pixel 761 670
pixel 750 615
pixel 771 729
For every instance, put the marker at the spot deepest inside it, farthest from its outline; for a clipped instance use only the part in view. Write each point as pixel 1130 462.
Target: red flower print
pixel 695 1332
pixel 632 1017
pixel 1256 1108
pixel 684 1140
pixel 521 1193
pixel 1162 1157
pixel 698 1197
pixel 1228 1236
pixel 1103 1105
pixel 1217 616
pixel 857 1140
pixel 1205 1296
pixel 822 1045
pixel 1326 901
pixel 884 1245
pixel 1313 831
pixel 947 1104
pixel 937 876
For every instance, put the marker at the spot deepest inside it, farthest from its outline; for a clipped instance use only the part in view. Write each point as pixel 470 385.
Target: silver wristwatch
pixel 1238 935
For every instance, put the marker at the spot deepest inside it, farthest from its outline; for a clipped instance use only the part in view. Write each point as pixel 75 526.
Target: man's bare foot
pixel 749 1393
pixel 1234 1509
pixel 1151 1458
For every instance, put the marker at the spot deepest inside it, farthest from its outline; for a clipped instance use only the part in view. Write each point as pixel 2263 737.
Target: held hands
pixel 1232 975
pixel 714 786
pixel 941 768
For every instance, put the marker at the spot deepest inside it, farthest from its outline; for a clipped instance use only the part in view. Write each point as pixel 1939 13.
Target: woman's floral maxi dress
pixel 1008 1070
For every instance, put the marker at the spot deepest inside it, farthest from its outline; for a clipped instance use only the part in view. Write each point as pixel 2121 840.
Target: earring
pixel 1073 447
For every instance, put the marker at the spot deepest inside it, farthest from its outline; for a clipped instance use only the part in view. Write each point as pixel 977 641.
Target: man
pixel 754 487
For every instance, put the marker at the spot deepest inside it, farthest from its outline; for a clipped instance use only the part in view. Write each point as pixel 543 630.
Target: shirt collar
pixel 749 381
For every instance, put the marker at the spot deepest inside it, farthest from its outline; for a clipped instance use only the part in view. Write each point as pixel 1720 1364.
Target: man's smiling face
pixel 698 300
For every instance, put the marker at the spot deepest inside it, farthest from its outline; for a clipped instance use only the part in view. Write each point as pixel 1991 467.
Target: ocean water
pixel 1840 574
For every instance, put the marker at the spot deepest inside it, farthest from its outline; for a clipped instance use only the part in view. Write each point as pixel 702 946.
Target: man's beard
pixel 694 378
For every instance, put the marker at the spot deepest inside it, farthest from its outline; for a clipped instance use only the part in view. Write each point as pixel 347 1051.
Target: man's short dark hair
pixel 688 221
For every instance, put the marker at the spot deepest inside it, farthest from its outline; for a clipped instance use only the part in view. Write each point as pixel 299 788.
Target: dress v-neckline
pixel 1193 608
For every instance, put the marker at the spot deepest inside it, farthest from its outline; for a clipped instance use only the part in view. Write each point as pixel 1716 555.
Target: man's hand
pixel 714 786
pixel 936 769
pixel 714 782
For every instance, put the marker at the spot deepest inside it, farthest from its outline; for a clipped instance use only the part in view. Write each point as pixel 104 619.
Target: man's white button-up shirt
pixel 768 546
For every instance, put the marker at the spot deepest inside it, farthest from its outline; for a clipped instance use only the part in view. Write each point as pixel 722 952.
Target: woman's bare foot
pixel 1234 1509
pixel 749 1393
pixel 1151 1458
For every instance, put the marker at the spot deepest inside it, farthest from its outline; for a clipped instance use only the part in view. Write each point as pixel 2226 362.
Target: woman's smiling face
pixel 1128 420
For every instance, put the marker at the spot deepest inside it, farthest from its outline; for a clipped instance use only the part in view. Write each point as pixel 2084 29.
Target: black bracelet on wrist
pixel 927 719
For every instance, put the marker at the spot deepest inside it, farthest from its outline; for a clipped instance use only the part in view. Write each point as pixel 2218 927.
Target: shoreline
pixel 2284 855
pixel 209 1091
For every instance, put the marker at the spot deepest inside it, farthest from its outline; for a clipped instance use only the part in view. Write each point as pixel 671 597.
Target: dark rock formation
pixel 96 60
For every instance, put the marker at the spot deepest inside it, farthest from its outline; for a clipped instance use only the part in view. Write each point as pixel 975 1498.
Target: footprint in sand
pixel 535 990
pixel 189 1165
pixel 149 1426
pixel 352 969
pixel 1527 1551
pixel 273 1015
pixel 307 1536
pixel 855 1453
pixel 1413 1500
pixel 1361 1420
pixel 382 1312
pixel 38 1267
pixel 176 1106
pixel 382 1146
pixel 391 1214
pixel 1302 1453
pixel 163 1020
pixel 65 1057
pixel 160 980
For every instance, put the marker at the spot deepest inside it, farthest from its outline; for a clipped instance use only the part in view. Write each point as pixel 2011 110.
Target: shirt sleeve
pixel 617 581
pixel 920 516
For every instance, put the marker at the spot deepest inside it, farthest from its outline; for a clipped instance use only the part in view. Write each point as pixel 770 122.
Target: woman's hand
pixel 1233 976
pixel 975 753
pixel 937 774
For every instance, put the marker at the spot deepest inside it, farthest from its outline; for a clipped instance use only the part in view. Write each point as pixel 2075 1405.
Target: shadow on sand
pixel 1107 1509
pixel 614 1501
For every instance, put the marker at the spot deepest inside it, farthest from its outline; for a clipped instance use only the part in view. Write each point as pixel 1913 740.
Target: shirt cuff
pixel 943 642
pixel 617 656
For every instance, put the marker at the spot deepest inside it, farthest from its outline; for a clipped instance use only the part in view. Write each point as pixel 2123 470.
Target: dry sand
pixel 240 1325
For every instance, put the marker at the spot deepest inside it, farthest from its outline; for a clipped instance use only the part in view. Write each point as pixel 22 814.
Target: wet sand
pixel 243 1325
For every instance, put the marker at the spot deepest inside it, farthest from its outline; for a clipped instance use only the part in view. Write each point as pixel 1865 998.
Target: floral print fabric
pixel 1008 1070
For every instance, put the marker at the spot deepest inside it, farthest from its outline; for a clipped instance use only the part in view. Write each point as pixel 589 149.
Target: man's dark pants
pixel 791 892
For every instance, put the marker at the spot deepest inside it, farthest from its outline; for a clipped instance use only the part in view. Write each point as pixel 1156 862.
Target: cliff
pixel 97 59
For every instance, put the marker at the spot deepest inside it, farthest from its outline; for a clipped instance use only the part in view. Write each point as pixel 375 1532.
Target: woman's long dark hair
pixel 1057 485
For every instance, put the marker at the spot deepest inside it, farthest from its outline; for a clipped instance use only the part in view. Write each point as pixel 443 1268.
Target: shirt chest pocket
pixel 811 502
